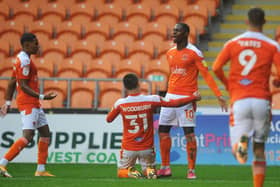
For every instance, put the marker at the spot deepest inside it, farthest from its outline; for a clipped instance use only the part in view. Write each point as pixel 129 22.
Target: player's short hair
pixel 130 81
pixel 27 37
pixel 185 27
pixel 256 16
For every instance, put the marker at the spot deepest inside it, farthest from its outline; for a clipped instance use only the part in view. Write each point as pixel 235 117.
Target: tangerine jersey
pixel 24 68
pixel 137 115
pixel 184 67
pixel 251 55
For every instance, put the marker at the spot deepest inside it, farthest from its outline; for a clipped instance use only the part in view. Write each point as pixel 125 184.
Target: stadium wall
pixel 87 138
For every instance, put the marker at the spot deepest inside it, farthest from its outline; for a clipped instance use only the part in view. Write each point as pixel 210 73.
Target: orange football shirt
pixel 251 55
pixel 184 67
pixel 137 115
pixel 24 68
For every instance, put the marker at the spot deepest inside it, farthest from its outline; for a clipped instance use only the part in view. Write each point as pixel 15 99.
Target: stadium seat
pixel 10 41
pixel 129 66
pixel 211 6
pixel 157 71
pixel 53 10
pixel 6 67
pixel 59 87
pixel 197 15
pixel 110 92
pixel 125 28
pixel 68 68
pixel 101 10
pixel 53 56
pixel 45 68
pixel 82 95
pixel 137 19
pixel 164 46
pixel 166 9
pixel 142 47
pixel 43 26
pixel 139 9
pixel 99 68
pixel 125 39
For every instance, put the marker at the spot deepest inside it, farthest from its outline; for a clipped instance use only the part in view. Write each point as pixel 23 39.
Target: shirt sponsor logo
pixel 176 70
pixel 245 82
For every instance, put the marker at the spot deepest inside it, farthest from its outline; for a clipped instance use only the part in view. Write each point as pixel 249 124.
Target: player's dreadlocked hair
pixel 130 81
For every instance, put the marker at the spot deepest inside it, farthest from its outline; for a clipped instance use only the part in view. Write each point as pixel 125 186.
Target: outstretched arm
pixel 112 114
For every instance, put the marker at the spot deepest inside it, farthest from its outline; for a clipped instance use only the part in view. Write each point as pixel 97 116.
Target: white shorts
pixel 250 116
pixel 34 120
pixel 183 116
pixel 146 158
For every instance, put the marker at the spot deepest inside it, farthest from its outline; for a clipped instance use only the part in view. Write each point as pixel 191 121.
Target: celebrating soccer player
pixel 251 55
pixel 185 62
pixel 138 131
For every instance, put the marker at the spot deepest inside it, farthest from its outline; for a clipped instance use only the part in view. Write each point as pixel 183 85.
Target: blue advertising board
pixel 213 142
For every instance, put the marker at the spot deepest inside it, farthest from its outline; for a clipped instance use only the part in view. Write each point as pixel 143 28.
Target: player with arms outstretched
pixel 25 79
pixel 138 131
pixel 251 55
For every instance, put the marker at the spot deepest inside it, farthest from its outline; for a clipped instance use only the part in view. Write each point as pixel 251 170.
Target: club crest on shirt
pixel 184 57
pixel 25 71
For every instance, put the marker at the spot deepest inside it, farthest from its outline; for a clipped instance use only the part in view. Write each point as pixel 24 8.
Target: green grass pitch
pixel 94 175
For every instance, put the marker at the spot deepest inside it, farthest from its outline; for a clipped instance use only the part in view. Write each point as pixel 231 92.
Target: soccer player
pixel 251 55
pixel 25 79
pixel 185 62
pixel 138 131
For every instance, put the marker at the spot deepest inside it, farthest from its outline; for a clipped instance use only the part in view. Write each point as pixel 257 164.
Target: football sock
pixel 16 148
pixel 191 150
pixel 123 173
pixel 165 146
pixel 258 169
pixel 43 147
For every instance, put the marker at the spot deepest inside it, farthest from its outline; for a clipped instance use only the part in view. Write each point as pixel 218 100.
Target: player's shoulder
pixel 174 48
pixel 23 58
pixel 194 49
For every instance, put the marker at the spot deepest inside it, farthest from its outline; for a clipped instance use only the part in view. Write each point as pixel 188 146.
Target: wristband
pixel 8 102
pixel 41 96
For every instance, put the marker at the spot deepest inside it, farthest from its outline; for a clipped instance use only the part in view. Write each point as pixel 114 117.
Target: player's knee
pixel 164 129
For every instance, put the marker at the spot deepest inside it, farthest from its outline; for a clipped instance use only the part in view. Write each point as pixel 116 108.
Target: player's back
pixel 137 113
pixel 251 55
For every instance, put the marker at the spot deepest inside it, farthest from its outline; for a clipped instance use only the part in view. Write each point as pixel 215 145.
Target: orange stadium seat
pixel 98 27
pixel 59 87
pixel 52 17
pixel 211 6
pixel 126 28
pixel 138 19
pixel 166 10
pixel 53 56
pixel 197 15
pixel 111 50
pixel 142 47
pixel 156 28
pixel 5 10
pixel 69 68
pixel 82 95
pixel 20 22
pixel 53 8
pixel 125 39
pixel 84 57
pixel 110 92
pixel 45 68
pixel 99 68
pixel 157 71
pixel 67 39
pixel 140 58
pixel 164 46
pixel 43 26
pixel 138 9
pixel 128 66
pixel 6 67
pixel 101 10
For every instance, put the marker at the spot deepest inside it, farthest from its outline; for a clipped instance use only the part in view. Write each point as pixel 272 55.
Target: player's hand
pixel 223 103
pixel 198 96
pixel 4 110
pixel 50 96
pixel 276 83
